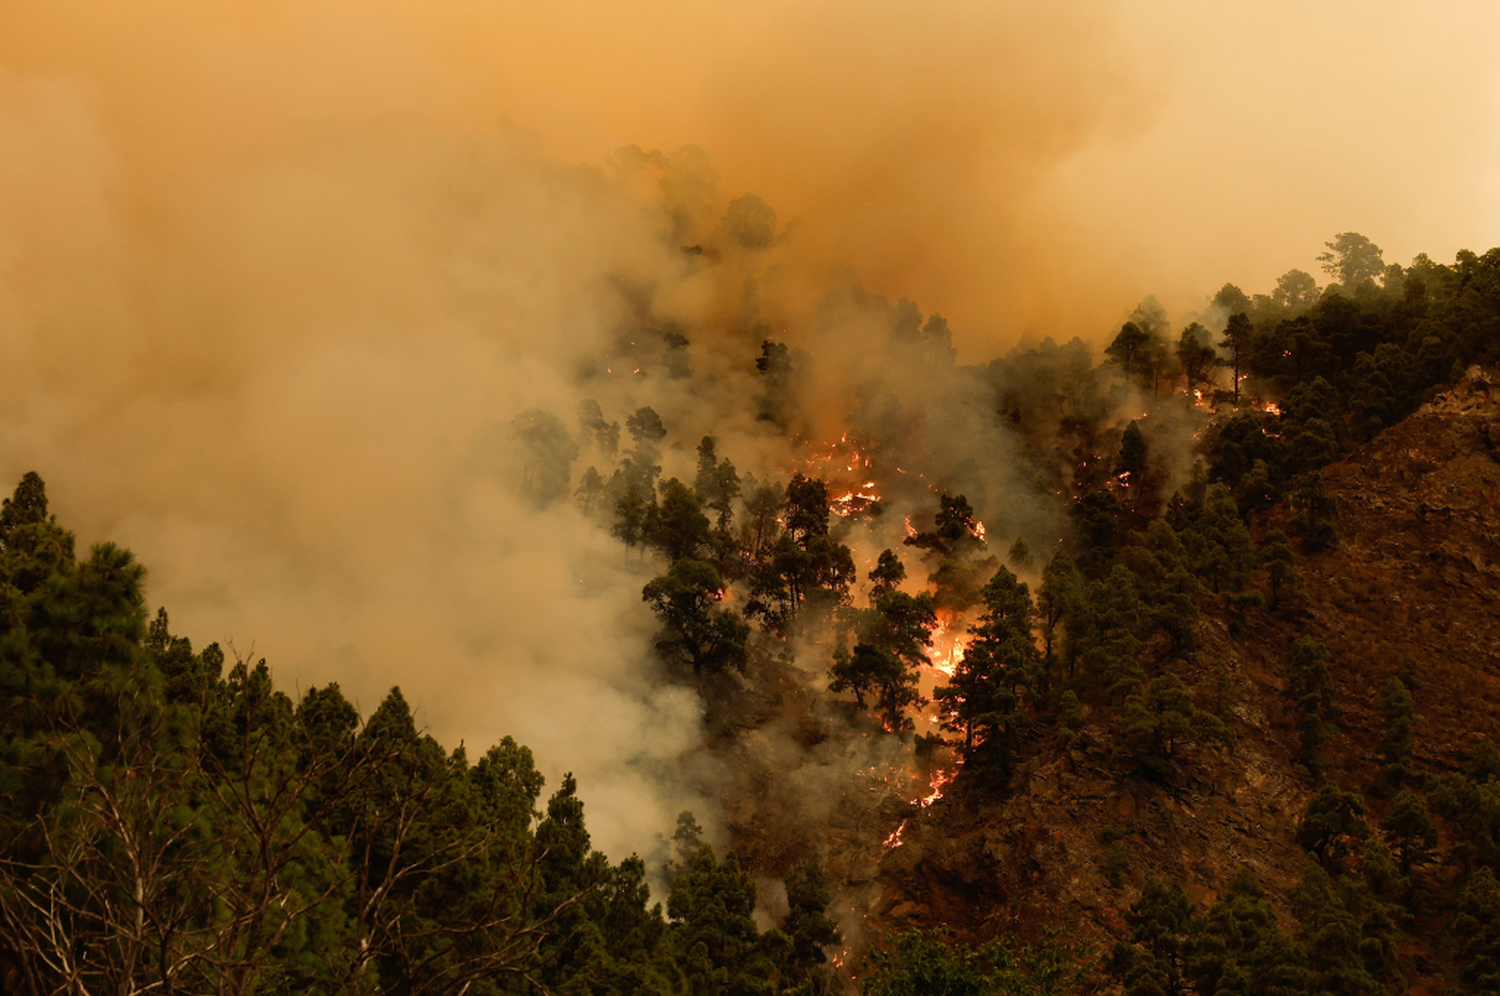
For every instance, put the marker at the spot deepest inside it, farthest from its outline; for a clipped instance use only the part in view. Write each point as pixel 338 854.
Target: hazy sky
pixel 270 268
pixel 1011 165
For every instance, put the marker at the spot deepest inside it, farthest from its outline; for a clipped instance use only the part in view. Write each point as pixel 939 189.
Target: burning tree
pixel 894 636
pixel 982 699
pixel 1237 341
pixel 956 540
pixel 805 565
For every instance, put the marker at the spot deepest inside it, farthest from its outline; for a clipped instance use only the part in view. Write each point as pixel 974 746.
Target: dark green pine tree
pixel 1111 624
pixel 905 625
pixel 982 700
pixel 1237 334
pixel 1399 711
pixel 1133 450
pixel 717 485
pixel 1476 934
pixel 1096 520
pixel 713 935
pixel 1350 935
pixel 1309 692
pixel 1239 948
pixel 1160 921
pixel 1334 824
pixel 1316 518
pixel 954 544
pixel 1410 830
pixel 1196 356
pixel 679 529
pixel 797 946
pixel 1058 600
pixel 1281 571
pixel 894 636
pixel 1161 719
pixel 805 567
pixel 694 630
pixel 922 963
pixel 886 575
pixel 569 871
pixel 1128 347
pixel 1470 801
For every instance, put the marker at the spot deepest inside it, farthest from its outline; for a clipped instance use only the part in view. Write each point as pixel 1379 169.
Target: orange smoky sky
pixel 1015 166
pixel 276 275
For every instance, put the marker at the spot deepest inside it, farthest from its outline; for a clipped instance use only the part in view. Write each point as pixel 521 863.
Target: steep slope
pixel 1417 573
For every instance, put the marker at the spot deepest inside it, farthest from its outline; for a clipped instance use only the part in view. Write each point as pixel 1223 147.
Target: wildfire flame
pixel 940 780
pixel 949 666
pixel 894 840
pixel 947 649
pixel 825 463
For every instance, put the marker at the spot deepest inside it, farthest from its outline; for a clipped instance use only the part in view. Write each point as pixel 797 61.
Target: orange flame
pixel 947 649
pixel 826 459
pixel 940 780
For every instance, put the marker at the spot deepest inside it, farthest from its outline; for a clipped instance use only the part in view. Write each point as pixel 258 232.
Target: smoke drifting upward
pixel 270 273
pixel 986 159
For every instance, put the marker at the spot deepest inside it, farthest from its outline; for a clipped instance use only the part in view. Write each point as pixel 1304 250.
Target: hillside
pixel 1415 575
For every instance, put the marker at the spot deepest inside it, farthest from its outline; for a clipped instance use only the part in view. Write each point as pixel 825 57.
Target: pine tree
pixel 1160 921
pixel 982 698
pixel 1333 824
pixel 1309 690
pixel 713 934
pixel 694 630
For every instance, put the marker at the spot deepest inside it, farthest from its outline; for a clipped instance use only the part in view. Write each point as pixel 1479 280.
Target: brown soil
pixel 1417 572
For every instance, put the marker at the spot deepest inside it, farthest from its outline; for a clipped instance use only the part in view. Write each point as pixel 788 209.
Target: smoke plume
pixel 275 278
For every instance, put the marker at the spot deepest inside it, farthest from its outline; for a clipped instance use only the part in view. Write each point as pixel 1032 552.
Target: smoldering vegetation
pixel 288 312
pixel 328 380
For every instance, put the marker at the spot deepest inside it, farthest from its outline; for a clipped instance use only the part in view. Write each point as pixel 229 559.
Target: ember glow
pixel 894 840
pixel 845 467
pixel 856 501
pixel 947 650
pixel 940 780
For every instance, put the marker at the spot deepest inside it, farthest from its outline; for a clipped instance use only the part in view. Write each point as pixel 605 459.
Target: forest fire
pixel 415 232
pixel 849 498
pixel 855 501
pixel 947 650
pixel 940 781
